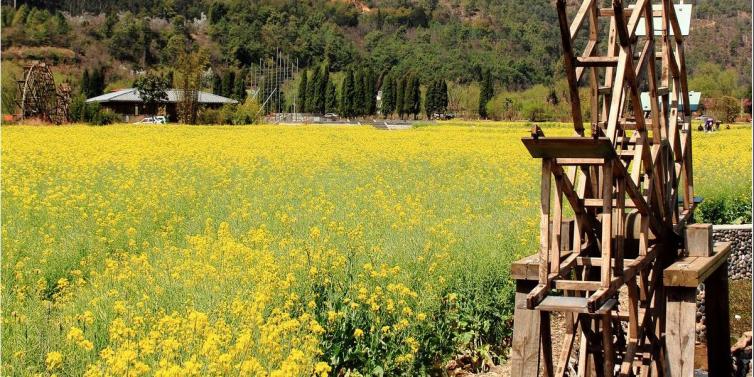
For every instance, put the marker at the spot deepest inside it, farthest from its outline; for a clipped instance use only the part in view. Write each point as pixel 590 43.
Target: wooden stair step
pixel 597 61
pixel 571 304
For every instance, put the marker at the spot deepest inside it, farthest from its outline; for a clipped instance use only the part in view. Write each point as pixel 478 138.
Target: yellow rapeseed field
pixel 272 250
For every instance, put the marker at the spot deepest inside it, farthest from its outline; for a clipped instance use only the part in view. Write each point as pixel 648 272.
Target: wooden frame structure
pixel 629 185
pixel 40 97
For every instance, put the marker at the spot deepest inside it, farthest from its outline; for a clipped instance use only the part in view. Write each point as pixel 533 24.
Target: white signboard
pixel 682 12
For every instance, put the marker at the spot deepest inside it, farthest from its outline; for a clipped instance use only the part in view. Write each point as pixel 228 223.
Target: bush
pixel 726 210
pixel 247 113
pixel 103 117
pixel 209 116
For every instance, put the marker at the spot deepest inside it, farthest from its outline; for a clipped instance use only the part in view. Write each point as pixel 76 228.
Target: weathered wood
pixel 680 332
pixel 569 147
pixel 692 271
pixel 699 240
pixel 717 322
pixel 524 359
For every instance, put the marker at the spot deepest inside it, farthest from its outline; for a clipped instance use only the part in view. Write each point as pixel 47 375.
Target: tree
pixel 321 98
pixel 430 106
pixel 301 96
pixel 85 84
pixel 229 82
pixel 152 91
pixel 331 98
pixel 239 90
pixel 369 92
pixel 189 78
pixel 347 94
pixel 415 96
pixel 400 91
pixel 388 96
pixel 443 97
pixel 408 94
pixel 486 93
pixel 217 84
pixel 312 91
pixel 359 104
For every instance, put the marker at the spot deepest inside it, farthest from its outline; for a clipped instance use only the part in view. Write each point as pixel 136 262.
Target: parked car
pixel 331 116
pixel 443 116
pixel 154 120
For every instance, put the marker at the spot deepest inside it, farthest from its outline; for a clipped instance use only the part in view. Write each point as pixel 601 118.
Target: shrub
pixel 247 112
pixel 209 116
pixel 725 210
pixel 103 117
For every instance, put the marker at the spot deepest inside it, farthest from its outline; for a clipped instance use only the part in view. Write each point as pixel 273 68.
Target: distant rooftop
pixel 132 95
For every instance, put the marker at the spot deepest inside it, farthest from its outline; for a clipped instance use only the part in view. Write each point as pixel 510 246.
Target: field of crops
pixel 278 251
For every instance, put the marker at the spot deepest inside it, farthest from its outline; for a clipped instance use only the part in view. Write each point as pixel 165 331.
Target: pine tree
pixel 85 84
pixel 400 91
pixel 301 98
pixel 331 98
pixel 388 96
pixel 347 95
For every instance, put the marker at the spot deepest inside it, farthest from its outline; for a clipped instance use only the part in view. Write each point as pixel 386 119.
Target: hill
pixel 457 40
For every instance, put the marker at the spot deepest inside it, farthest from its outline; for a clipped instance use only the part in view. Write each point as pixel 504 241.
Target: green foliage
pixel 726 210
pixel 715 82
pixel 302 87
pixel 436 98
pixel 131 40
pixel 359 102
pixel 92 113
pixel 347 94
pixel 387 106
pixel 247 113
pixel 331 98
pixel 486 93
pixel 400 93
pixel 152 90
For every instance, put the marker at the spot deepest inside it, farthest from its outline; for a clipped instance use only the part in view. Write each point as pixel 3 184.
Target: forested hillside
pixel 455 40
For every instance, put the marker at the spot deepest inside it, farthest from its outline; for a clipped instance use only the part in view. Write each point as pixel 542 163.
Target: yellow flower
pixel 358 333
pixel 54 360
pixel 322 369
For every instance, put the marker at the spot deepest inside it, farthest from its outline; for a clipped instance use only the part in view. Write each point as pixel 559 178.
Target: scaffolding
pixel 267 81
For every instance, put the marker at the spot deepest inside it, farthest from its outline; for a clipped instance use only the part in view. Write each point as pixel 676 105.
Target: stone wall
pixel 739 263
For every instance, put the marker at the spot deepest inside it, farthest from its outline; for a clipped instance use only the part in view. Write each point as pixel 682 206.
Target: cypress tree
pixel 359 106
pixel 239 91
pixel 388 96
pixel 85 89
pixel 400 91
pixel 415 96
pixel 312 91
pixel 429 99
pixel 347 95
pixel 301 98
pixel 322 89
pixel 217 85
pixel 486 92
pixel 408 90
pixel 331 98
pixel 443 96
pixel 229 81
pixel 369 86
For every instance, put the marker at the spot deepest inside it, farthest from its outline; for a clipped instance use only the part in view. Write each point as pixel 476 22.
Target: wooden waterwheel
pixel 40 98
pixel 612 271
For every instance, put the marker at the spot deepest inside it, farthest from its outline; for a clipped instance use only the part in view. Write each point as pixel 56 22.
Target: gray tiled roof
pixel 132 95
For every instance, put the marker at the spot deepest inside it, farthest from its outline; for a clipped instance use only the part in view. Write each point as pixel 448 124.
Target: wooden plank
pixel 569 147
pixel 588 51
pixel 680 331
pixel 524 357
pixel 546 344
pixel 596 61
pixel 557 218
pixel 699 240
pixel 691 271
pixel 570 66
pixel 580 161
pixel 578 20
pixel 717 320
pixel 544 222
pixel 607 228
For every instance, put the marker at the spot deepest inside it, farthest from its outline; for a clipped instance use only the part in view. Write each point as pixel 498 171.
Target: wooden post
pixel 525 344
pixel 718 322
pixel 680 330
